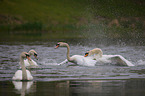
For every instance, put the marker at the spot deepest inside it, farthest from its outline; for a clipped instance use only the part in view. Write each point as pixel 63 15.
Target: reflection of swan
pixel 97 54
pixel 77 59
pixel 23 74
pixel 22 87
pixel 32 62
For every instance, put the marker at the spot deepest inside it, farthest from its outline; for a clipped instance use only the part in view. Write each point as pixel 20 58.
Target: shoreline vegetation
pixel 73 18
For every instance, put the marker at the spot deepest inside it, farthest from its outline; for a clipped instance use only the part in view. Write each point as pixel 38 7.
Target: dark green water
pixel 131 87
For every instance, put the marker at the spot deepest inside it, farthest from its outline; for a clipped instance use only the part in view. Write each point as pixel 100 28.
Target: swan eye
pixel 57 44
pixel 35 54
pixel 86 53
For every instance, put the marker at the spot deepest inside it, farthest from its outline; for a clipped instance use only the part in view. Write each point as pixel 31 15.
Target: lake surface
pixel 51 79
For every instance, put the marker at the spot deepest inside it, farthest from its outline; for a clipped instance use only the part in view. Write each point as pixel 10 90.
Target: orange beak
pixel 28 58
pixel 36 57
pixel 86 55
pixel 57 46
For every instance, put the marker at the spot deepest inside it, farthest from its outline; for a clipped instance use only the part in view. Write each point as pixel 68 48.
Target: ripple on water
pixel 49 57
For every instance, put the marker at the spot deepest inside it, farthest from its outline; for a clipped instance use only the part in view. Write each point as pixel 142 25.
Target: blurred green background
pixel 52 19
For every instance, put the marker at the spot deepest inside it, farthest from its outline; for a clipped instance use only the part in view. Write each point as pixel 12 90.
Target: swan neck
pixel 68 51
pixel 24 73
pixel 30 62
pixel 30 53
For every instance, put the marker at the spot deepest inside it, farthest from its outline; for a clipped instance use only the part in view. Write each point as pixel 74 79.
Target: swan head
pixel 96 53
pixel 33 52
pixel 86 54
pixel 25 55
pixel 61 44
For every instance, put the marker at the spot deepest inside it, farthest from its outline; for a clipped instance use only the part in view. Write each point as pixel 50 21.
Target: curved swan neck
pixel 24 73
pixel 96 53
pixel 68 51
pixel 30 53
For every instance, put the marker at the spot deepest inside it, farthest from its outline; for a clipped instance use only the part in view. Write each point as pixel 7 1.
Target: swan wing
pixel 77 59
pixel 104 59
pixel 121 60
pixel 89 61
pixel 34 63
pixel 29 76
pixel 26 63
pixel 18 75
pixel 113 59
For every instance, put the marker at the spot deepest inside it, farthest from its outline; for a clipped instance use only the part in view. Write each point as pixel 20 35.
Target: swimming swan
pixel 31 63
pixel 97 54
pixel 23 74
pixel 77 59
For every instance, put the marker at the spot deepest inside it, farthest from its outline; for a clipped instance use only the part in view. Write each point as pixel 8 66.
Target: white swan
pixel 23 74
pixel 97 54
pixel 31 63
pixel 77 59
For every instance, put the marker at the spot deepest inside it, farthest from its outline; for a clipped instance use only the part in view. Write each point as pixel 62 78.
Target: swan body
pixel 80 60
pixel 97 54
pixel 77 59
pixel 31 63
pixel 84 61
pixel 18 75
pixel 23 74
